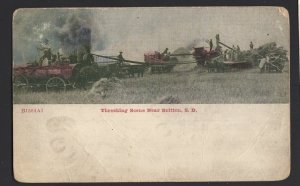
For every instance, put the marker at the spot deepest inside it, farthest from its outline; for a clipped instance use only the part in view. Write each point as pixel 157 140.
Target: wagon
pixel 62 75
pixel 52 78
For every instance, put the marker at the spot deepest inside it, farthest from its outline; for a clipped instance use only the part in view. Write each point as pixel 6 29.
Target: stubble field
pixel 189 87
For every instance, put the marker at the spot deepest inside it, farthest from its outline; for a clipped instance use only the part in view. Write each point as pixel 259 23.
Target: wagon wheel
pixel 20 83
pixel 88 75
pixel 55 84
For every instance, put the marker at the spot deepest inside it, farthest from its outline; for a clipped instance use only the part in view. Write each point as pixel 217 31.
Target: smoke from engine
pixel 197 43
pixel 74 34
pixel 69 32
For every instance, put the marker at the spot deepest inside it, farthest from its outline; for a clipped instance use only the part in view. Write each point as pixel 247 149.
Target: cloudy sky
pixel 138 30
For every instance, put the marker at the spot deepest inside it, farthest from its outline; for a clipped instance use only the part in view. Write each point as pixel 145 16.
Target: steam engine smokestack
pixel 83 43
pixel 75 37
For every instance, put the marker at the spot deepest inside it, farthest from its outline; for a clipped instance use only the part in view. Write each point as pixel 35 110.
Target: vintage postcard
pixel 178 94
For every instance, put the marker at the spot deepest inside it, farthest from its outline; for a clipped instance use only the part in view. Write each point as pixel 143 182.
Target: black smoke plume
pixel 74 33
pixel 67 30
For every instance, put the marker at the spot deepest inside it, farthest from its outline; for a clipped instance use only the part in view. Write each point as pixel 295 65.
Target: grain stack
pixel 277 56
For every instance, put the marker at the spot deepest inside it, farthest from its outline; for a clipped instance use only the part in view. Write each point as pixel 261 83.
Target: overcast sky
pixel 138 30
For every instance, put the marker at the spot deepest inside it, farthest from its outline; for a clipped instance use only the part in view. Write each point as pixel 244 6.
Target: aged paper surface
pixel 151 94
pixel 219 142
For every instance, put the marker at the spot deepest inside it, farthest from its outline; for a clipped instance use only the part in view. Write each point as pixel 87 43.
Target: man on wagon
pixel 88 58
pixel 165 54
pixel 46 49
pixel 210 44
pixel 251 45
pixel 165 51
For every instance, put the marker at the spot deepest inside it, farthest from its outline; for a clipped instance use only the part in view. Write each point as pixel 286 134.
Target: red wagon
pixel 52 77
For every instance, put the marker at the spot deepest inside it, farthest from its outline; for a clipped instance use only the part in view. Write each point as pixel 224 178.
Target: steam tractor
pixel 160 62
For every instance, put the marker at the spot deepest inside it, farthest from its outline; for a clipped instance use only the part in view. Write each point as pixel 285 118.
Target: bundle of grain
pixel 103 86
pixel 169 100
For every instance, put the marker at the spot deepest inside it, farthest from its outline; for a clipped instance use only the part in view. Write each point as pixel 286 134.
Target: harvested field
pixel 190 87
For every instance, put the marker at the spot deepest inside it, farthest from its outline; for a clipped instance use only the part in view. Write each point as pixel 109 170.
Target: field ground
pixel 190 86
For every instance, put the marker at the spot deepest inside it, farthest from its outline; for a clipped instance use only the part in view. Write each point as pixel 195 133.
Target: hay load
pixel 268 57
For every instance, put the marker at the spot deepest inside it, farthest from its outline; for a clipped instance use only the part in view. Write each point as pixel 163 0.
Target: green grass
pixel 192 86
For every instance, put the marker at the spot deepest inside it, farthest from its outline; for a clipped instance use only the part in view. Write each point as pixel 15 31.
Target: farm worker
pixel 54 57
pixel 262 63
pixel 238 51
pixel 88 58
pixel 121 59
pixel 210 45
pixel 58 56
pixel 45 62
pixel 230 54
pixel 233 53
pixel 165 54
pixel 267 59
pixel 251 45
pixel 218 47
pixel 46 49
pixel 217 39
pixel 165 51
pixel 226 55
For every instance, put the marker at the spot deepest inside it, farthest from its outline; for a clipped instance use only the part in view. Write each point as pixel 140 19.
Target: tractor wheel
pixel 87 76
pixel 55 84
pixel 20 83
